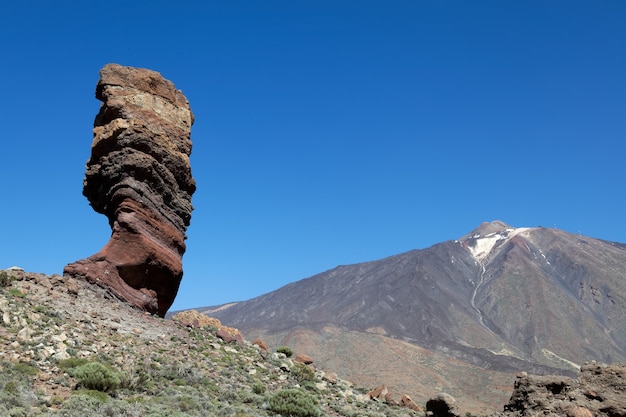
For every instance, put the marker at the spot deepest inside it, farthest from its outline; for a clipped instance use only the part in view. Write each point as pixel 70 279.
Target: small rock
pixel 407 402
pixel 260 343
pixel 305 359
pixel 72 286
pixel 25 334
pixel 379 392
pixel 579 412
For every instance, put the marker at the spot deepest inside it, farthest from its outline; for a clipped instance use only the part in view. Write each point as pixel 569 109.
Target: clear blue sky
pixel 327 132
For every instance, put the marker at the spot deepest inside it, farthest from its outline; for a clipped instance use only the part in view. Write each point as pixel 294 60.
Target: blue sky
pixel 327 132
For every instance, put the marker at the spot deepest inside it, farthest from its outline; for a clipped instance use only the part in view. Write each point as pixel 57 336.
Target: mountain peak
pixel 484 238
pixel 495 226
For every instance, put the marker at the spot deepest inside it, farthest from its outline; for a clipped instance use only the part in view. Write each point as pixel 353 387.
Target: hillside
pixel 69 348
pixel 463 316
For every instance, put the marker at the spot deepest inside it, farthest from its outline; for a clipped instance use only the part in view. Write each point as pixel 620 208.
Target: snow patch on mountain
pixel 480 246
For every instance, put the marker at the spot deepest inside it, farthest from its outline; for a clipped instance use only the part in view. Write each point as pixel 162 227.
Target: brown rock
pixel 229 337
pixel 261 344
pixel 72 286
pixel 579 412
pixel 600 390
pixel 379 392
pixel 330 378
pixel 407 402
pixel 139 176
pixel 390 400
pixel 302 358
pixel 191 318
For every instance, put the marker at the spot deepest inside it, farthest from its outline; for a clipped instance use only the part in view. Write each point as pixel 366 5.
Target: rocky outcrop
pixel 193 319
pixel 139 176
pixel 600 391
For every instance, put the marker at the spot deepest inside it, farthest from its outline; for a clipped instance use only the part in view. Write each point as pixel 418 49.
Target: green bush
pixel 25 369
pixel 294 403
pixel 70 363
pixel 286 350
pixel 258 388
pixel 98 395
pixel 97 376
pixel 303 372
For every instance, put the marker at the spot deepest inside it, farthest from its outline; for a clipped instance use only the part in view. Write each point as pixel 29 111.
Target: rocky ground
pixel 600 390
pixel 52 325
pixel 69 348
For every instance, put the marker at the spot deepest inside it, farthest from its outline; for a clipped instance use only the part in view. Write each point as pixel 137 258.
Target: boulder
pixel 443 405
pixel 379 392
pixel 302 358
pixel 261 344
pixel 139 176
pixel 600 390
pixel 229 336
pixel 407 402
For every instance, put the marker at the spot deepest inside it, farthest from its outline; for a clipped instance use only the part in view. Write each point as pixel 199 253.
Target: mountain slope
pixel 500 298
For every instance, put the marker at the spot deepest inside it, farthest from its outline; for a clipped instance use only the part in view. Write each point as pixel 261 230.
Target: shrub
pixel 25 368
pixel 14 292
pixel 98 395
pixel 97 376
pixel 5 279
pixel 135 379
pixel 303 372
pixel 258 388
pixel 294 403
pixel 286 350
pixel 70 363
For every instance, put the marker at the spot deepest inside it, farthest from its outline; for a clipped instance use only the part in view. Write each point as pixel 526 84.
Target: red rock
pixel 379 392
pixel 390 400
pixel 139 176
pixel 261 344
pixel 407 402
pixel 229 337
pixel 302 358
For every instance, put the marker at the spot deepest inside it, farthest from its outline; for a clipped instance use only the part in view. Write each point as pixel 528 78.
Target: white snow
pixel 484 244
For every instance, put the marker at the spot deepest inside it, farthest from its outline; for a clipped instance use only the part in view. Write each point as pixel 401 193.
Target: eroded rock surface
pixel 139 176
pixel 600 390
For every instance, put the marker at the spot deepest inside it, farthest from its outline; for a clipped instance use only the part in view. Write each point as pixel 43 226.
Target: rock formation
pixel 600 390
pixel 139 176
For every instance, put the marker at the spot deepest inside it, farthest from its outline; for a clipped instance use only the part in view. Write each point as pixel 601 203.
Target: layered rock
pixel 139 176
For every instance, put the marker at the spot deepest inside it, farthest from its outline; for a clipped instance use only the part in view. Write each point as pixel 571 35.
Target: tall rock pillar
pixel 139 176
